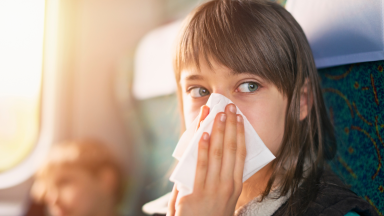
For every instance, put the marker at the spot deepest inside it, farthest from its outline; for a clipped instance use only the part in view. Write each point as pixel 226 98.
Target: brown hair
pixel 89 155
pixel 261 37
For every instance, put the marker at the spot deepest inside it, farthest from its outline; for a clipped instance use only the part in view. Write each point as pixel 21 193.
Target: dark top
pixel 333 199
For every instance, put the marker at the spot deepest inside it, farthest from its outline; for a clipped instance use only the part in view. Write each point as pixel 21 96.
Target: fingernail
pixel 205 136
pixel 223 117
pixel 232 108
pixel 239 119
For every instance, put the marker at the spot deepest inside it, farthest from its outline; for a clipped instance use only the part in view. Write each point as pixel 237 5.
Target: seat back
pixel 354 96
pixel 350 34
pixel 161 127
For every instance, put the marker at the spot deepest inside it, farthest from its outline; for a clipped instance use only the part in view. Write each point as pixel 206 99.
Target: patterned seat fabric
pixel 354 96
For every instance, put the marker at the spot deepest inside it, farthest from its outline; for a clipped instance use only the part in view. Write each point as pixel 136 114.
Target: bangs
pixel 243 36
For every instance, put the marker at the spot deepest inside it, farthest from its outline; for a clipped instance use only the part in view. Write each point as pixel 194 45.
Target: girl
pixel 256 54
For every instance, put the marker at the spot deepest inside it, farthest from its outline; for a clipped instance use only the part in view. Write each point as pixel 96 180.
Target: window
pixel 21 60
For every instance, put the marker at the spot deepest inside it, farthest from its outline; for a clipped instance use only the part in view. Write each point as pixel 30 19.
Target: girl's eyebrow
pixel 194 77
pixel 252 75
pixel 246 73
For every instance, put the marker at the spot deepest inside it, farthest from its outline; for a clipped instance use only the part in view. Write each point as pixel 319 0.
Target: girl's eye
pixel 199 92
pixel 248 87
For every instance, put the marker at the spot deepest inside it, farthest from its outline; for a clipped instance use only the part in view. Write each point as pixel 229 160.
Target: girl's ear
pixel 306 100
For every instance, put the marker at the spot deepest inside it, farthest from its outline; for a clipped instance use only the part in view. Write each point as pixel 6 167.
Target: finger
pixel 230 144
pixel 216 149
pixel 202 162
pixel 172 201
pixel 204 111
pixel 241 152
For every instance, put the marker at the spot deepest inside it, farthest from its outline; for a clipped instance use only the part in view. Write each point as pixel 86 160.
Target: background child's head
pixel 256 54
pixel 79 178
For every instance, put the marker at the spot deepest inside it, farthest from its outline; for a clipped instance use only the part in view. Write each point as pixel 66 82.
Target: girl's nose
pixel 223 92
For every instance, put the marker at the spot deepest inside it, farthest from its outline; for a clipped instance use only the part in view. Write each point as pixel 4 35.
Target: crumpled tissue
pixel 258 155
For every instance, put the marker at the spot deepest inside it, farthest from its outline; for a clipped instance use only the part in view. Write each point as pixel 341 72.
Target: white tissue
pixel 258 155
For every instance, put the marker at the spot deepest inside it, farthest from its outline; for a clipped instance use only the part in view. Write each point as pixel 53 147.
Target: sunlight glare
pixel 21 61
pixel 21 42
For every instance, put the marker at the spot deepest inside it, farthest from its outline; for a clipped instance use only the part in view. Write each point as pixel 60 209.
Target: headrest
pixel 343 31
pixel 153 71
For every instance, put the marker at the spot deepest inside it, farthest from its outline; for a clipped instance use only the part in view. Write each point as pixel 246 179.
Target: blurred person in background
pixel 79 178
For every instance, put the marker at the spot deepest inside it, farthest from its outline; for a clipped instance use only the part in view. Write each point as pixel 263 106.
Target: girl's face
pixel 260 101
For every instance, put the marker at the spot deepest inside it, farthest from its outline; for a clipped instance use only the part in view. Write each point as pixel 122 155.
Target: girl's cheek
pixel 191 108
pixel 267 117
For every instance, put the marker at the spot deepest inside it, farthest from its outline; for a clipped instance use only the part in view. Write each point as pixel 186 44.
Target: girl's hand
pixel 219 172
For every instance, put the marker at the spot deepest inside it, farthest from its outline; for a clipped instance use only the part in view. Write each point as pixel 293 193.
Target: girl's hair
pixel 88 155
pixel 261 37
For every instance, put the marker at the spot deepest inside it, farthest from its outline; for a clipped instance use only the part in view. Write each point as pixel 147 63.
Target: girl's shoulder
pixel 333 198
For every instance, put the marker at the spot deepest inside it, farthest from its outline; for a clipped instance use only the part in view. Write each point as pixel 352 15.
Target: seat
pixel 347 40
pixel 160 120
pixel 153 118
pixel 354 96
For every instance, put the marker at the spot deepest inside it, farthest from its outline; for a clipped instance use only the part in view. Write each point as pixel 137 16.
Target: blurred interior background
pixel 66 73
